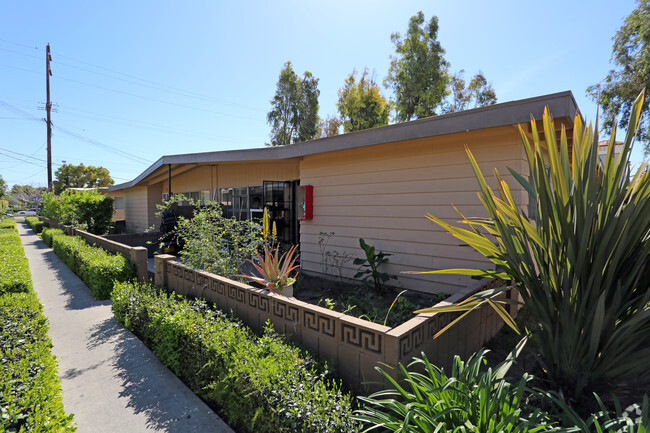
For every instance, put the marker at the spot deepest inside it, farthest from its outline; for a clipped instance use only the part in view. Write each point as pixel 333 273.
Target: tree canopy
pixel 3 187
pixel 478 93
pixel 418 71
pixel 26 196
pixel 294 108
pixel 360 104
pixel 631 55
pixel 80 176
pixel 329 127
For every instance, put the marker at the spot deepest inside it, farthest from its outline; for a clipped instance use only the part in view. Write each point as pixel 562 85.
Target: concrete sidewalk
pixel 111 381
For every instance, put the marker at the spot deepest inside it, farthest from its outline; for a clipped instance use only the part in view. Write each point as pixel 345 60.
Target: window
pixel 119 203
pixel 242 202
pixel 201 197
pixel 248 202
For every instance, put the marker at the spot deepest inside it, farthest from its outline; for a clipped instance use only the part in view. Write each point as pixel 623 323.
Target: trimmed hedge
pixel 30 391
pixel 258 384
pixel 35 223
pixel 96 267
pixel 14 271
pixel 48 234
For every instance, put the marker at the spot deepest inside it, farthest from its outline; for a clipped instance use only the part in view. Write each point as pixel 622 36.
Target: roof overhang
pixel 561 105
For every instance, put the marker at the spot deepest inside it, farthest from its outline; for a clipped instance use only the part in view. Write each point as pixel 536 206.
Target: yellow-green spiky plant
pixel 582 266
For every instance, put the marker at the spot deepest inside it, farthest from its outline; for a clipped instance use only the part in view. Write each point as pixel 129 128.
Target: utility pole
pixel 48 109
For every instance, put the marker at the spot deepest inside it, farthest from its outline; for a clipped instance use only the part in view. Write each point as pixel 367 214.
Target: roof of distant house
pixel 604 143
pixel 561 105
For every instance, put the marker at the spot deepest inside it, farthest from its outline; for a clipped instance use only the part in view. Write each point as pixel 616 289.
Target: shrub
pixel 14 271
pixel 90 210
pixel 49 233
pixel 35 223
pixel 581 266
pixel 96 267
pixel 30 392
pixel 213 242
pixel 259 384
pixel 51 206
pixel 68 249
pixel 427 399
pixel 7 223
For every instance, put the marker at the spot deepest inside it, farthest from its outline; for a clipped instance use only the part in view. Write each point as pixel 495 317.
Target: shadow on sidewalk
pixel 146 383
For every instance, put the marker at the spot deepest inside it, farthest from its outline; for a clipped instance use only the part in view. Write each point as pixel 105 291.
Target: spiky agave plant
pixel 582 266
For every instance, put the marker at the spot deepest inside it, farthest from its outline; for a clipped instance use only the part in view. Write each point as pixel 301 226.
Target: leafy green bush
pixel 34 223
pixel 211 241
pixel 49 233
pixel 581 266
pixel 7 223
pixel 259 384
pixel 96 267
pixel 68 248
pixel 51 206
pixel 467 400
pixel 14 269
pixel 89 210
pixel 30 392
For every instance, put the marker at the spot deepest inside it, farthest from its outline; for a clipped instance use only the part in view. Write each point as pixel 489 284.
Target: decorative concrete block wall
pixel 357 346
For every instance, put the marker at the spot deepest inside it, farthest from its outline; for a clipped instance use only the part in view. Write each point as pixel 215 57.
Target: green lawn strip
pixel 260 384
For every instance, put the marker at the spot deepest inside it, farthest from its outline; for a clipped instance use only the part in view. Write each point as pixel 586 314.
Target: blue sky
pixel 135 80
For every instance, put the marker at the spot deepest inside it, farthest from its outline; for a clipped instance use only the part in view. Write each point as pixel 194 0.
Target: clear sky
pixel 135 80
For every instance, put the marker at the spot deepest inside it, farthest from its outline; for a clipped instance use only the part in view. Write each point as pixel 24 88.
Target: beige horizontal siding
pixel 382 194
pixel 154 197
pixel 197 179
pixel 135 209
pixel 233 175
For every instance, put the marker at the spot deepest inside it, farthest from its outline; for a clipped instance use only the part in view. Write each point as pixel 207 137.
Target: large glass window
pixel 249 202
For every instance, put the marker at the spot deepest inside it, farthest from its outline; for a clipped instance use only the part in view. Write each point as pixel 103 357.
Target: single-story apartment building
pixel 375 184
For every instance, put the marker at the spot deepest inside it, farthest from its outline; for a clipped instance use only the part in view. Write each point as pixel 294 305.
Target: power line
pixel 103 146
pixel 18 111
pixel 143 125
pixel 20 159
pixel 140 81
pixel 162 101
pixel 80 137
pixel 22 154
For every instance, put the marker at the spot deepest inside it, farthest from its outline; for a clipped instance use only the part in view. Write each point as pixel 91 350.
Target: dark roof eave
pixel 561 105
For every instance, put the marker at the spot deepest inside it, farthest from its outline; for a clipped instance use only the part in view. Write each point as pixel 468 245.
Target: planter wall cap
pixel 324 311
pixel 361 323
pixel 409 325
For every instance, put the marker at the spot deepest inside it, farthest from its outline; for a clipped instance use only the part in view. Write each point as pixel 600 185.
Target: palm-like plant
pixel 582 265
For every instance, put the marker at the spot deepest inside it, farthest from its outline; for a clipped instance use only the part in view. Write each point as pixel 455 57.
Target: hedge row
pixel 35 223
pixel 30 391
pixel 96 267
pixel 49 233
pixel 14 271
pixel 258 384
